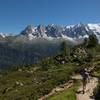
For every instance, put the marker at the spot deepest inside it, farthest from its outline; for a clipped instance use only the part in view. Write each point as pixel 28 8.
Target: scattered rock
pixel 6 90
pixel 19 83
pixel 20 70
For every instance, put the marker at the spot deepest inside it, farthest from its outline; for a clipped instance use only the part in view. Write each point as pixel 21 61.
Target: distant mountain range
pixel 67 32
pixel 72 33
pixel 35 43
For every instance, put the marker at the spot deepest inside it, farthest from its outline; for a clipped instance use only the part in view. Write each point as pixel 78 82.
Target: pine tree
pixel 64 48
pixel 93 41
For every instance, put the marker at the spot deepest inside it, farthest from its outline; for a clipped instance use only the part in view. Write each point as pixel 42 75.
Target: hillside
pixel 34 81
pixel 14 54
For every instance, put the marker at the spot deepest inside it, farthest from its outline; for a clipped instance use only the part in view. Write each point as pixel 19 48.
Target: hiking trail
pixel 89 89
pixel 80 96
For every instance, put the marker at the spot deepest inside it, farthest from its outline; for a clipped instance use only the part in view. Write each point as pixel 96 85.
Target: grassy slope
pixel 35 84
pixel 69 94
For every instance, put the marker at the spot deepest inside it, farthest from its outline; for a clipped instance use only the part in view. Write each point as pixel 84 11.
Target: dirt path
pixel 89 90
pixel 80 96
pixel 59 88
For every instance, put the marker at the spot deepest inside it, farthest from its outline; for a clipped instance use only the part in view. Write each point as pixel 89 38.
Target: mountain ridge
pixel 50 32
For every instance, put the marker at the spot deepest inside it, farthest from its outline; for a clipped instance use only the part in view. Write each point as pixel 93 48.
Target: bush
pixel 93 41
pixel 97 92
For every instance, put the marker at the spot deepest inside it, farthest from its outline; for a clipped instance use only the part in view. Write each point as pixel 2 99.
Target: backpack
pixel 84 74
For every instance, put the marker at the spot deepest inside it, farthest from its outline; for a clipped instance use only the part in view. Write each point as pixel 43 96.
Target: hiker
pixel 88 75
pixel 85 78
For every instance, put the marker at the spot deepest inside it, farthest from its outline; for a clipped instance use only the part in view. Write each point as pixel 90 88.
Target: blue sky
pixel 15 15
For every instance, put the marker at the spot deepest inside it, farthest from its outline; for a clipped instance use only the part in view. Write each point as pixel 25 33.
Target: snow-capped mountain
pixel 71 32
pixel 3 35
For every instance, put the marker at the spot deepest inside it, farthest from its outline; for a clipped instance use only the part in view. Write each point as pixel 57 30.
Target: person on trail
pixel 85 78
pixel 88 71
